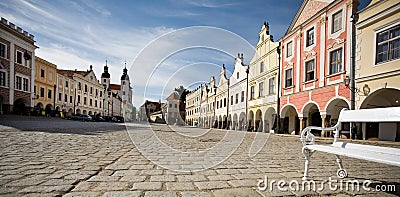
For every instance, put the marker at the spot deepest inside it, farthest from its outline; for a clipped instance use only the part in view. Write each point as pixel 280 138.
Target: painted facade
pixel 237 95
pixel 315 61
pixel 17 73
pixel 263 88
pixel 44 88
pixel 193 100
pixel 377 65
pixel 221 100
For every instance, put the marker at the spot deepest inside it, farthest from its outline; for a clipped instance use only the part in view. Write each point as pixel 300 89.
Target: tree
pixel 182 91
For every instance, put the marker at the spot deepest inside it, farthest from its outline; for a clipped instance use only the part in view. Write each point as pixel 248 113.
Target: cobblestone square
pixel 55 157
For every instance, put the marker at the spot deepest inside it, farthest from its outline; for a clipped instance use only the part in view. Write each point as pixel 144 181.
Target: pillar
pixel 323 118
pixel 301 120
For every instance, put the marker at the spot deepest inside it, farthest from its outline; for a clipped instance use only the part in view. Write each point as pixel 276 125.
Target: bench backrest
pixel 388 114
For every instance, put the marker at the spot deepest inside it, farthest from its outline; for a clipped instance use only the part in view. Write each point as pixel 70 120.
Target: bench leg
pixel 307 154
pixel 341 173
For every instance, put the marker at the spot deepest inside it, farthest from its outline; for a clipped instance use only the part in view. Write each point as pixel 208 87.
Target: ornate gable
pixel 307 10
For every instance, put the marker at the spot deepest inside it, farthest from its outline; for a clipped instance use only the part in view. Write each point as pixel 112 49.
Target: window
pixel 90 102
pixel 100 104
pixel 19 57
pixel 261 67
pixel 3 50
pixel 123 83
pixel 49 94
pixel 220 104
pixel 388 44
pixel 66 84
pixel 65 98
pixel 79 85
pixel 25 84
pixel 101 93
pixel 84 100
pixel 242 99
pixel 79 98
pixel 289 49
pixel 59 96
pixel 95 103
pixel 310 67
pixel 224 102
pixel 251 92
pixel 2 78
pixel 70 99
pixel 41 92
pixel 176 106
pixel 217 104
pixel 237 75
pixel 310 37
pixel 104 80
pixel 91 90
pixel 337 21
pixel 18 83
pixel 335 61
pixel 232 100
pixel 261 89
pixel 237 98
pixel 170 105
pixel 85 88
pixel 96 92
pixel 271 87
pixel 289 77
pixel 41 73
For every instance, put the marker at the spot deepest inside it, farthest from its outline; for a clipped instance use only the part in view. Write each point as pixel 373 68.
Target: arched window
pixel 261 67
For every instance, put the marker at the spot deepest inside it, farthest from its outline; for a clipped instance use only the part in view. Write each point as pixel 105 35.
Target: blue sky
pixel 76 34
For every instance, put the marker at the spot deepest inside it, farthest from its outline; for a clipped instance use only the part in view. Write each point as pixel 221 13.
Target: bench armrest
pixel 307 137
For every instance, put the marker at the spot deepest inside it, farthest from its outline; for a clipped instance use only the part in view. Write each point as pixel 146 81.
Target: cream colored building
pixel 221 100
pixel 79 92
pixel 211 120
pixel 377 64
pixel 193 100
pixel 44 88
pixel 263 83
pixel 204 107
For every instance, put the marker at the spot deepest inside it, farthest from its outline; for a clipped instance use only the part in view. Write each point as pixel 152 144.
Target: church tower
pixel 125 86
pixel 105 77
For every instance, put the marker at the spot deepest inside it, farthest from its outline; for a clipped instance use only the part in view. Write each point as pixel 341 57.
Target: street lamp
pixel 365 90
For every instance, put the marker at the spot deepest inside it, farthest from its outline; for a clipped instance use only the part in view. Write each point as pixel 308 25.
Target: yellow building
pixel 263 88
pixel 377 64
pixel 45 80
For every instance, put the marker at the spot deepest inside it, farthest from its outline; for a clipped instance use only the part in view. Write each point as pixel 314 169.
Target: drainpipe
pixel 227 108
pixel 354 18
pixel 247 94
pixel 278 101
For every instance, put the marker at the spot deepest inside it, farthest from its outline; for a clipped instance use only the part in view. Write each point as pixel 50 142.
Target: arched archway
pixel 258 123
pixel 290 119
pixel 78 111
pixel 90 113
pixel 84 112
pixel 70 112
pixel 269 119
pixel 224 122
pixel 58 110
pixel 38 109
pixel 311 116
pixel 48 109
pixel 250 121
pixel 384 97
pixel 242 121
pixel 235 122
pixel 230 126
pixel 333 109
pixel 20 106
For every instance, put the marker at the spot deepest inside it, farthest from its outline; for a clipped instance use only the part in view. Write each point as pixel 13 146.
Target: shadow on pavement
pixel 58 125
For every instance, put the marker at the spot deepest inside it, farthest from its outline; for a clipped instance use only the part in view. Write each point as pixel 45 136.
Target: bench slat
pixel 363 147
pixel 380 157
pixel 388 114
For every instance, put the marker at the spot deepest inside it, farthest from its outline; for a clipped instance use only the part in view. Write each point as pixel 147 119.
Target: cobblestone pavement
pixel 55 157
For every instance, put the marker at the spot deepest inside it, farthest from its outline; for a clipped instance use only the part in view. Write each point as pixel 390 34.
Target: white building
pixel 221 100
pixel 237 95
pixel 171 110
pixel 193 100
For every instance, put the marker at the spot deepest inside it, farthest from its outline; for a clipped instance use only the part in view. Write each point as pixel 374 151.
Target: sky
pixel 163 43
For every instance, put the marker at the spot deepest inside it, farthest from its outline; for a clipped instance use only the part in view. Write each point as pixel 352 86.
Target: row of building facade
pixel 331 57
pixel 32 85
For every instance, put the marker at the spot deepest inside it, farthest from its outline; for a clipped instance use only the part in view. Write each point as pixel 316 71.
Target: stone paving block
pixel 112 186
pixel 243 183
pixel 147 186
pixel 104 178
pixel 125 173
pixel 236 192
pixel 195 194
pixel 142 166
pixel 162 178
pixel 123 194
pixel 179 186
pixel 209 185
pixel 133 178
pixel 83 194
pixel 228 171
pixel 46 189
pixel 85 186
pixel 183 178
pixel 151 172
pixel 160 194
pixel 59 182
pixel 221 177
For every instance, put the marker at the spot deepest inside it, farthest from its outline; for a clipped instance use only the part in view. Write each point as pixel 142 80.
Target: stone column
pixel 301 118
pixel 323 118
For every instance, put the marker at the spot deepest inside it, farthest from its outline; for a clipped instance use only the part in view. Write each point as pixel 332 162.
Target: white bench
pixel 378 154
